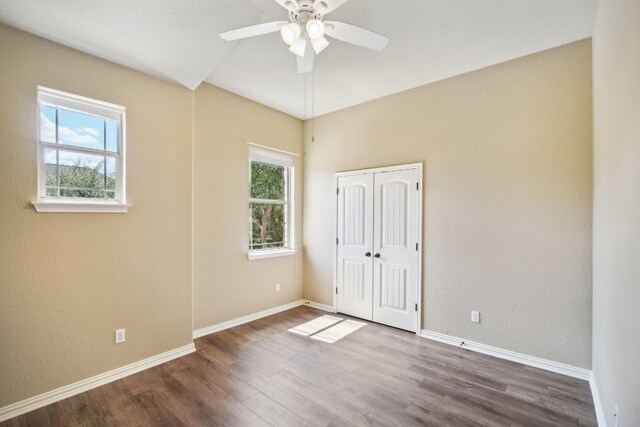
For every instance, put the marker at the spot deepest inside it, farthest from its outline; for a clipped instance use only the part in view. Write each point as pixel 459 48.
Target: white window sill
pixel 80 207
pixel 273 253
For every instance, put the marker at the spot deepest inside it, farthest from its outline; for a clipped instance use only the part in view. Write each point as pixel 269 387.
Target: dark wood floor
pixel 259 374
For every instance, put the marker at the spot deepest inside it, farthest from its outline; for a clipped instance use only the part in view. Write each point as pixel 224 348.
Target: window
pixel 270 203
pixel 81 165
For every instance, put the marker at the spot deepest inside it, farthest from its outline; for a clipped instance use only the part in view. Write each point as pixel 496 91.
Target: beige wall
pixel 616 208
pixel 67 281
pixel 226 284
pixel 507 211
pixel 508 184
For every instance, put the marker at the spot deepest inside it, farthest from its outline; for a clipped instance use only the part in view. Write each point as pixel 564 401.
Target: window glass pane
pixel 47 124
pixel 51 171
pixel 111 173
pixel 267 181
pixel 83 194
pixel 50 166
pixel 81 174
pixel 80 130
pixel 267 225
pixel 112 136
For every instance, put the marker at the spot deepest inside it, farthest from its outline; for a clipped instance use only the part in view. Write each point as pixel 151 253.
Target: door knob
pixel 367 254
pixel 377 255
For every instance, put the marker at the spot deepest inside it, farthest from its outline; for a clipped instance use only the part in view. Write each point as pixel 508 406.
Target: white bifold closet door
pixel 355 246
pixel 377 256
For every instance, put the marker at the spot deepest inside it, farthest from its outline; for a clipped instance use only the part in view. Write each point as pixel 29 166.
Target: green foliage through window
pixel 79 180
pixel 269 205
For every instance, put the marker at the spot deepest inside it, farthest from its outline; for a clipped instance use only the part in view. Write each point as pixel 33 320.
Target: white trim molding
pixel 245 319
pixel 324 307
pixel 259 315
pixel 597 403
pixel 253 144
pixel 56 101
pixel 525 359
pixel 270 253
pixel 409 166
pixel 381 169
pixel 44 399
pixel 80 207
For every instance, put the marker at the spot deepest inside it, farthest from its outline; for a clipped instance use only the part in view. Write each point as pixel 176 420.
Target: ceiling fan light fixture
pixel 299 46
pixel 319 44
pixel 290 33
pixel 315 29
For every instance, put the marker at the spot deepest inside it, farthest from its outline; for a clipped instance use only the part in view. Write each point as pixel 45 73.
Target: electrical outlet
pixel 475 316
pixel 616 416
pixel 277 287
pixel 120 337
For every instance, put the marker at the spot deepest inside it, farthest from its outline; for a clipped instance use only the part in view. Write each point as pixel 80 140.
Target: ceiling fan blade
pixel 326 6
pixel 288 4
pixel 355 35
pixel 305 64
pixel 253 30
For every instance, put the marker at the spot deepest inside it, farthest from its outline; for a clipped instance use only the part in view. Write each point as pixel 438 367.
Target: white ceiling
pixel 430 40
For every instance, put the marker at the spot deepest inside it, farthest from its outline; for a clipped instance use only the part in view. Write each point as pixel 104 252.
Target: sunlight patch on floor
pixel 327 329
pixel 338 331
pixel 316 325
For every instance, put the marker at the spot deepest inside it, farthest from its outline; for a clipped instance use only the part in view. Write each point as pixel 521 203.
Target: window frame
pixel 278 158
pixel 91 107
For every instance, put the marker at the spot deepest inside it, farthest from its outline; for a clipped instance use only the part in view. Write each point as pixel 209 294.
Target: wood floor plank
pixel 380 404
pixel 275 413
pixel 435 415
pixel 259 374
pixel 310 411
pixel 215 353
pixel 321 378
pixel 356 420
pixel 210 373
pixel 310 390
pixel 220 408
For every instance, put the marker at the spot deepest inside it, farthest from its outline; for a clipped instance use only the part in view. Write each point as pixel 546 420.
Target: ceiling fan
pixel 306 29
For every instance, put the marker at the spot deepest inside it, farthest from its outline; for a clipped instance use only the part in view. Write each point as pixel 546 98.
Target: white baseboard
pixel 319 306
pixel 525 359
pixel 244 319
pixel 259 315
pixel 44 399
pixel 61 393
pixel 597 403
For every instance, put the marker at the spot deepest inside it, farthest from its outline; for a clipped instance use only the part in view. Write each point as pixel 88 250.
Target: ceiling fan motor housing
pixel 304 11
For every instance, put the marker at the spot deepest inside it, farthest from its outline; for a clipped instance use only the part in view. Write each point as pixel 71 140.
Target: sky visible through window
pixel 77 130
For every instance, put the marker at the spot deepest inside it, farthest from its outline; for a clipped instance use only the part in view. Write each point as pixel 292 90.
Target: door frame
pixel 337 175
